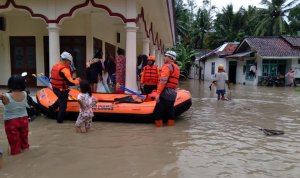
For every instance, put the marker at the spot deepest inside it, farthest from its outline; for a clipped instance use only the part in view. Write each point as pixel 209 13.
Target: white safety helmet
pixel 172 54
pixel 66 55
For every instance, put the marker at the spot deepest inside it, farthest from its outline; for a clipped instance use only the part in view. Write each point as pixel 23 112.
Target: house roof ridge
pixel 262 37
pixel 232 42
pixel 274 45
pixel 294 36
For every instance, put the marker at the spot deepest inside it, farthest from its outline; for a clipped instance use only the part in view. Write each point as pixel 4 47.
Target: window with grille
pixel 212 68
pixel 249 63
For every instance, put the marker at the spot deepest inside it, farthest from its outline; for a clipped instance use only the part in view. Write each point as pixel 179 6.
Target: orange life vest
pixel 150 75
pixel 56 80
pixel 174 76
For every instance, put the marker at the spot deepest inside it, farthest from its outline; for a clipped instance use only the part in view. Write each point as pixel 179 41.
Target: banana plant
pixel 185 54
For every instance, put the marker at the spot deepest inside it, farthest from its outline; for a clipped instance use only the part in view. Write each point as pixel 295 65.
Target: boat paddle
pixel 130 91
pixel 49 86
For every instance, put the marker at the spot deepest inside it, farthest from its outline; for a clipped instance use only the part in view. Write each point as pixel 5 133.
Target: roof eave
pixel 280 57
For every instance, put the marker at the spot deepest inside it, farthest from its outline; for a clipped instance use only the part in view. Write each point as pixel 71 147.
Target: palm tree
pixel 249 24
pixel 271 18
pixel 181 19
pixel 199 28
pixel 227 25
pixel 202 24
pixel 294 17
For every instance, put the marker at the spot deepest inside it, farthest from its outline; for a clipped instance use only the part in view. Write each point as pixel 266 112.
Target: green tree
pixel 250 23
pixel 271 18
pixel 184 58
pixel 227 26
pixel 181 17
pixel 294 17
pixel 199 28
pixel 202 25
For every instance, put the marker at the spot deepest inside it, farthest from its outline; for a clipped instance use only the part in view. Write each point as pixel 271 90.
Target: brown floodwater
pixel 213 139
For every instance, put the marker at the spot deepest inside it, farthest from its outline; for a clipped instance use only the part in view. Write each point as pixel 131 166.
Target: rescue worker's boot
pixel 170 122
pixel 158 123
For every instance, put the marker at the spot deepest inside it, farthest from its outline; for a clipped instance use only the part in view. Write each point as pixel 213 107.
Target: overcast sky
pixel 236 3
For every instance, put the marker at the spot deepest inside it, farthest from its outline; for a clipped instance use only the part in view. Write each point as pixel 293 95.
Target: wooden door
pixel 110 50
pixel 23 57
pixel 76 46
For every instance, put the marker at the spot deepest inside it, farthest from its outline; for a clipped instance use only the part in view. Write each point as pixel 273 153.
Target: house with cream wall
pixel 34 32
pixel 270 55
pixel 211 60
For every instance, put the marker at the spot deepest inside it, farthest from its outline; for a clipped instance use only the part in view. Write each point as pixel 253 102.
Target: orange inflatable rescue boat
pixel 120 107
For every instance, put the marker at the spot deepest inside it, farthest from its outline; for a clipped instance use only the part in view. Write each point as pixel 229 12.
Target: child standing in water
pixel 15 114
pixel 86 102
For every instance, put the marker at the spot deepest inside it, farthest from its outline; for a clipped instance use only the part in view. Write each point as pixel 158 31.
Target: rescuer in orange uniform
pixel 61 80
pixel 150 76
pixel 166 90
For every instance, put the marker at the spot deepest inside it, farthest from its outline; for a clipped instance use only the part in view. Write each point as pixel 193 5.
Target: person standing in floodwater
pixel 221 78
pixel 86 102
pixel 15 114
pixel 1 160
pixel 166 90
pixel 291 74
pixel 120 70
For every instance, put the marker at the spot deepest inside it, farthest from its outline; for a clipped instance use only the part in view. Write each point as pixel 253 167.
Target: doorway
pixel 110 50
pixel 232 71
pixel 23 58
pixel 76 46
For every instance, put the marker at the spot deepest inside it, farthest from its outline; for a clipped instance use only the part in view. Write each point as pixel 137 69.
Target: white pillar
pixel 54 53
pixel 157 57
pixel 89 36
pixel 162 60
pixel 146 43
pixel 152 50
pixel 130 80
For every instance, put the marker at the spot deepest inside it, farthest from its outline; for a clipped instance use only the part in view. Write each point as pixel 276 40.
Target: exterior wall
pixel 259 70
pixel 208 64
pixel 108 34
pixel 84 22
pixel 195 72
pixel 30 27
pixel 294 64
pixel 37 28
pixel 241 75
pixel 100 30
pixel 53 9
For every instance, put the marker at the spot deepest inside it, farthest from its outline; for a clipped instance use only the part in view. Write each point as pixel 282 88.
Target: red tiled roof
pixel 224 50
pixel 293 40
pixel 228 50
pixel 272 46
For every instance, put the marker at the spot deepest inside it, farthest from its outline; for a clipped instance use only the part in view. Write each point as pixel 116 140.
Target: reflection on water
pixel 212 139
